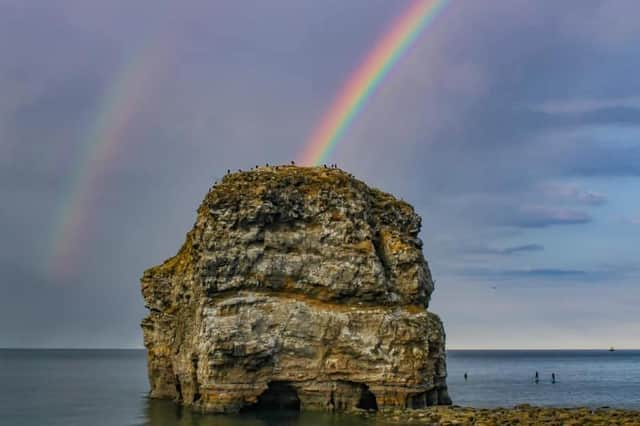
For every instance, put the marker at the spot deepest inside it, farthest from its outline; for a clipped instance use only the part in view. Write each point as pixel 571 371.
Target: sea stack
pixel 297 287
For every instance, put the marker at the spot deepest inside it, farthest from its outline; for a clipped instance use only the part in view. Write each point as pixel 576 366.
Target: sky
pixel 512 126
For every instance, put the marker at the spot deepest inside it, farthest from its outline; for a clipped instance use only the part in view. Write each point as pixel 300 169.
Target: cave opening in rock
pixel 367 399
pixel 278 396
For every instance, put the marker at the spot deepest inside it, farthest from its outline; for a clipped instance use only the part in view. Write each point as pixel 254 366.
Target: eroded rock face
pixel 296 287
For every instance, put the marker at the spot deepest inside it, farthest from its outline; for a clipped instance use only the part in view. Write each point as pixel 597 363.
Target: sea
pixel 109 387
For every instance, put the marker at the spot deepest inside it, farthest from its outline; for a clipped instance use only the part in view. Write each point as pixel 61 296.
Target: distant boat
pixel 612 349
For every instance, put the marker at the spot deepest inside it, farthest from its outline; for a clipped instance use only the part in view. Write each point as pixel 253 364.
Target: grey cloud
pixel 518 210
pixel 592 198
pixel 533 273
pixel 602 116
pixel 505 211
pixel 572 194
pixel 541 217
pixel 599 160
pixel 609 24
pixel 597 273
pixel 506 251
pixel 522 249
pixel 545 273
pixel 577 106
pixel 604 273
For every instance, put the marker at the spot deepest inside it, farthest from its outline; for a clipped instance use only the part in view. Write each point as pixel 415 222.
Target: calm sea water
pixel 104 388
pixel 583 378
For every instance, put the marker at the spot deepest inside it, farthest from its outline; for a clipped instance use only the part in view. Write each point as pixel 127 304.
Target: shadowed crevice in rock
pixel 178 390
pixel 344 305
pixel 296 281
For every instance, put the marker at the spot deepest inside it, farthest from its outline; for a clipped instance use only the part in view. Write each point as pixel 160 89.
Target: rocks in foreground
pixel 299 288
pixel 520 415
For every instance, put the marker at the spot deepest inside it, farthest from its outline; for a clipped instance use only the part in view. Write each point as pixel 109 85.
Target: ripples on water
pixel 108 388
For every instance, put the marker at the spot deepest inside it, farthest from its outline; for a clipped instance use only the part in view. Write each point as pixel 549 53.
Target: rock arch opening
pixel 278 396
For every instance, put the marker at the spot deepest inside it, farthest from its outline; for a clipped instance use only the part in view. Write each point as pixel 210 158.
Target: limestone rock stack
pixel 297 287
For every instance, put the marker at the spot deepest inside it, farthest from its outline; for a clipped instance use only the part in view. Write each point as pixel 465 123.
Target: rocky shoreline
pixel 519 415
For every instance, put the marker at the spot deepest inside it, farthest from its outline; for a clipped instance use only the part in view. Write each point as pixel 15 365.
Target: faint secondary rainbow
pixel 363 82
pixel 121 101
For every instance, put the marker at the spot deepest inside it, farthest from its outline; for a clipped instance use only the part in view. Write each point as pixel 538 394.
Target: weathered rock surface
pixel 298 287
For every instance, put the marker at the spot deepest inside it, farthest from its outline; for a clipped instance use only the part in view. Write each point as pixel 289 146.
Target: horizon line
pixel 142 348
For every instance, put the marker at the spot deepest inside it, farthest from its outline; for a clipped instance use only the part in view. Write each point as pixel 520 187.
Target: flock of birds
pixel 293 163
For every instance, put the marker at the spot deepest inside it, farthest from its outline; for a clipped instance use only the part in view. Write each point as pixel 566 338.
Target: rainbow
pixel 120 103
pixel 363 82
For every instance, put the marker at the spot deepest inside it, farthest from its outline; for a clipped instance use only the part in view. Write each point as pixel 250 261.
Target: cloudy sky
pixel 512 126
